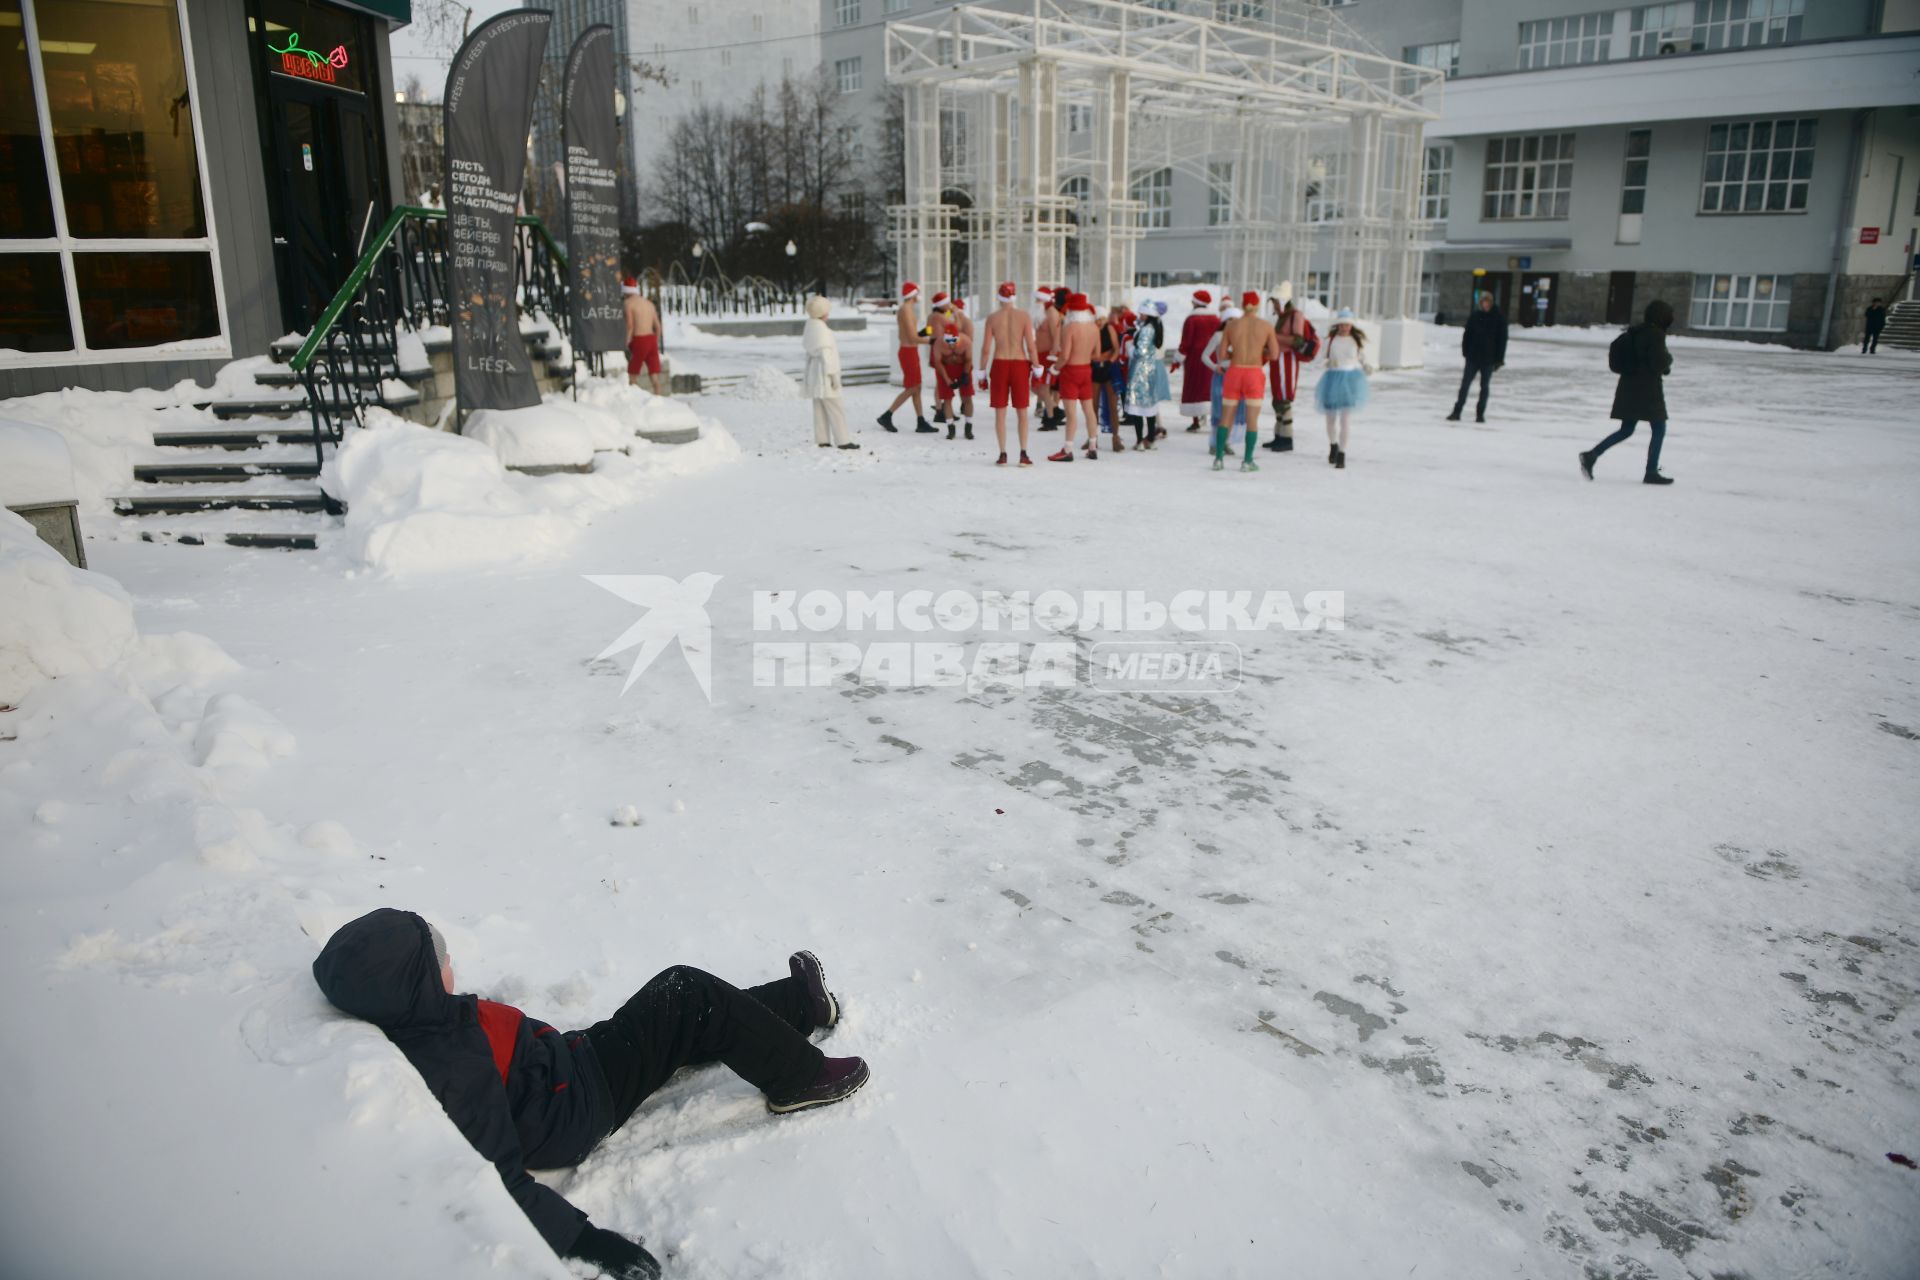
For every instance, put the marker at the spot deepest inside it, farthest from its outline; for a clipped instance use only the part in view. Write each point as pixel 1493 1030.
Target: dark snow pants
pixel 1625 431
pixel 1484 372
pixel 685 1017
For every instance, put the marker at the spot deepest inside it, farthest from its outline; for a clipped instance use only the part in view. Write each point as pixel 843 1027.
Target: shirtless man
pixel 907 321
pixel 643 335
pixel 1079 343
pixel 1247 345
pixel 953 375
pixel 1007 358
pixel 1046 344
pixel 946 311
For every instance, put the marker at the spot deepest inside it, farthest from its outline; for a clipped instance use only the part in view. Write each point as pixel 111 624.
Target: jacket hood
pixel 1659 314
pixel 381 967
pixel 817 307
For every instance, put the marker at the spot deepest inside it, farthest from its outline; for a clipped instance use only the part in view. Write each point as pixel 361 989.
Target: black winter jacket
pixel 1485 339
pixel 523 1094
pixel 1642 361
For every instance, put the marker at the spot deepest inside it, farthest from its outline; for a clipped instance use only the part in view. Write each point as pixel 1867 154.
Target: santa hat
pixel 1043 296
pixel 1250 300
pixel 909 291
pixel 938 300
pixel 629 285
pixel 959 304
pixel 1202 298
pixel 1078 303
pixel 1008 291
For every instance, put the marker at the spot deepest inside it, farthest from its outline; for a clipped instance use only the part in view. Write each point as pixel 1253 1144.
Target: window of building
pixel 1327 187
pixel 1154 189
pixel 1566 42
pixel 853 204
pixel 1219 192
pixel 1429 294
pixel 954 142
pixel 1756 304
pixel 846 13
pixel 1759 166
pixel 1444 56
pixel 1239 10
pixel 897 6
pixel 1152 279
pixel 846 74
pixel 1436 183
pixel 1528 177
pixel 1320 287
pixel 1080 189
pixel 105 244
pixel 1742 24
pixel 1633 177
pixel 1079 118
pixel 1660 28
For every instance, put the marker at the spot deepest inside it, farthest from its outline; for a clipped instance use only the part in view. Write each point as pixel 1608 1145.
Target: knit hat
pixel 1202 297
pixel 909 291
pixel 1250 300
pixel 817 307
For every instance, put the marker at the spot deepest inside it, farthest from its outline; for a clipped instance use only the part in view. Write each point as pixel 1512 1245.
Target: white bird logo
pixel 674 610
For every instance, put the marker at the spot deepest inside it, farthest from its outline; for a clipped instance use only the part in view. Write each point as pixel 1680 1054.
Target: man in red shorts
pixel 1079 342
pixel 1008 356
pixel 1247 345
pixel 643 335
pixel 907 321
pixel 953 376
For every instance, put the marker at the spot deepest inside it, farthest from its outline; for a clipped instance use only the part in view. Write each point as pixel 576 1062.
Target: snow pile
pixel 642 410
pixel 58 620
pixel 541 435
pixel 419 499
pixel 766 384
pixel 36 467
pixel 105 431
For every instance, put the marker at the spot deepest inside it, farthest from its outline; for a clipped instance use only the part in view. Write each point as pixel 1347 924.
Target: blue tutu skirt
pixel 1340 389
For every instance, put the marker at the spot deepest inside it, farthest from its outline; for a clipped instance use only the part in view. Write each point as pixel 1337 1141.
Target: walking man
pixel 1876 321
pixel 1641 359
pixel 643 335
pixel 1007 357
pixel 1298 344
pixel 1484 344
pixel 907 321
pixel 1247 345
pixel 1078 342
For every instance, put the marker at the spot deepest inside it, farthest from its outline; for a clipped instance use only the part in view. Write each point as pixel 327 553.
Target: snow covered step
pixel 365 377
pixel 196 499
pixel 288 408
pixel 233 438
pixel 264 541
pixel 192 472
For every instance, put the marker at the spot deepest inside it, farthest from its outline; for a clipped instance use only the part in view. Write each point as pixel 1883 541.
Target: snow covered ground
pixel 1553 918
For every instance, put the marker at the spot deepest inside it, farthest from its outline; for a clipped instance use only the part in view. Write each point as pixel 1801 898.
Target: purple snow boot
pixel 839 1078
pixel 810 973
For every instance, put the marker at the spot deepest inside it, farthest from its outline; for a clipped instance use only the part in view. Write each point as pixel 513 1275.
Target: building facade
pixel 182 182
pixel 708 51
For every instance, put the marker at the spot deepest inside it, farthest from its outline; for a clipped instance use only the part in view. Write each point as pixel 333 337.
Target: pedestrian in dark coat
pixel 529 1097
pixel 1641 359
pixel 1484 344
pixel 1876 321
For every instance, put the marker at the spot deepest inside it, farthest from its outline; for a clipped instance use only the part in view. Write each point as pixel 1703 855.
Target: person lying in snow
pixel 529 1097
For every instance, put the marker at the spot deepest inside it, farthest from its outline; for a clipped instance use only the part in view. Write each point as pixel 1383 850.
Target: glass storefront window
pixel 122 118
pixel 26 205
pixel 33 303
pixel 120 130
pixel 144 299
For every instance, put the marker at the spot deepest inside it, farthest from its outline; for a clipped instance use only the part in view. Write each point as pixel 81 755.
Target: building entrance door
pixel 1620 298
pixel 1497 283
pixel 1536 297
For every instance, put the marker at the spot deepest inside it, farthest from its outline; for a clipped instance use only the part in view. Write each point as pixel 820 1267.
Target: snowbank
pixel 538 436
pixel 105 431
pixel 58 620
pixel 766 384
pixel 36 466
pixel 644 411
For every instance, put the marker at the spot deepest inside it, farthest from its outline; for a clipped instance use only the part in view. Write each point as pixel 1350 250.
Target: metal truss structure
pixel 1036 133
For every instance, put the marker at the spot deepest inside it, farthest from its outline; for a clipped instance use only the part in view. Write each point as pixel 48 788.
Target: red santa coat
pixel 1286 370
pixel 1196 382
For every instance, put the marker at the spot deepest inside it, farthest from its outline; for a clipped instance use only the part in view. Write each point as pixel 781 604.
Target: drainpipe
pixel 1844 232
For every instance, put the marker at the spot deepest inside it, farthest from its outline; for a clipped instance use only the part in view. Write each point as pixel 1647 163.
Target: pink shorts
pixel 1242 383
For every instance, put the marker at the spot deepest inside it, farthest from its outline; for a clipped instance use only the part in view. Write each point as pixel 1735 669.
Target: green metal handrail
pixel 356 278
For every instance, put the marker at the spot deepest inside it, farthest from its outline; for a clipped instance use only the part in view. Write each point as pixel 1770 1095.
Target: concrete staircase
pixel 1903 327
pixel 256 482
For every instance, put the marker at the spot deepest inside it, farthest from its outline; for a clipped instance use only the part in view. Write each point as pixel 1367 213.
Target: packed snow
pixel 1553 917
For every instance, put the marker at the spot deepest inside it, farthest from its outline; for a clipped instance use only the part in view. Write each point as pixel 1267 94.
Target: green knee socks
pixel 1220 442
pixel 1252 440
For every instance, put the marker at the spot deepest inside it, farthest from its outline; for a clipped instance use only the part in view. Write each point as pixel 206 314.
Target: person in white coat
pixel 822 383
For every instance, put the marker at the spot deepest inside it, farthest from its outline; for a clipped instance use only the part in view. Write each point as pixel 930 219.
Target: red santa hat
pixel 938 300
pixel 1008 291
pixel 1078 302
pixel 909 291
pixel 629 285
pixel 1250 300
pixel 1202 298
pixel 1044 294
pixel 959 304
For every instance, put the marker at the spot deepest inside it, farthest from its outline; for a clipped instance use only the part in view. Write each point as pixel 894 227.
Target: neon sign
pixel 308 65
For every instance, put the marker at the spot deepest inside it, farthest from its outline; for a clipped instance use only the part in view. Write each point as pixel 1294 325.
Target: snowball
pixel 58 620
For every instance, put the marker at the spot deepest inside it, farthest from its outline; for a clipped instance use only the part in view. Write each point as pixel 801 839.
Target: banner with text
pixel 489 110
pixel 591 140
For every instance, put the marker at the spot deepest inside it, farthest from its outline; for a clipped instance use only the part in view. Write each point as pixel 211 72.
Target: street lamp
pixel 792 251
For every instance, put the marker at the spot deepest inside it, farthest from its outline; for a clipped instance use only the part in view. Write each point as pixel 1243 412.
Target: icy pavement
pixel 1555 918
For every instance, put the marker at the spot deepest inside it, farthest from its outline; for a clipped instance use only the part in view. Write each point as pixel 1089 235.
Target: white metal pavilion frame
pixel 1026 127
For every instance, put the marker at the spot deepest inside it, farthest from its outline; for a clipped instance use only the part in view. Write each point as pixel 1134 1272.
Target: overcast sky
pixel 411 57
